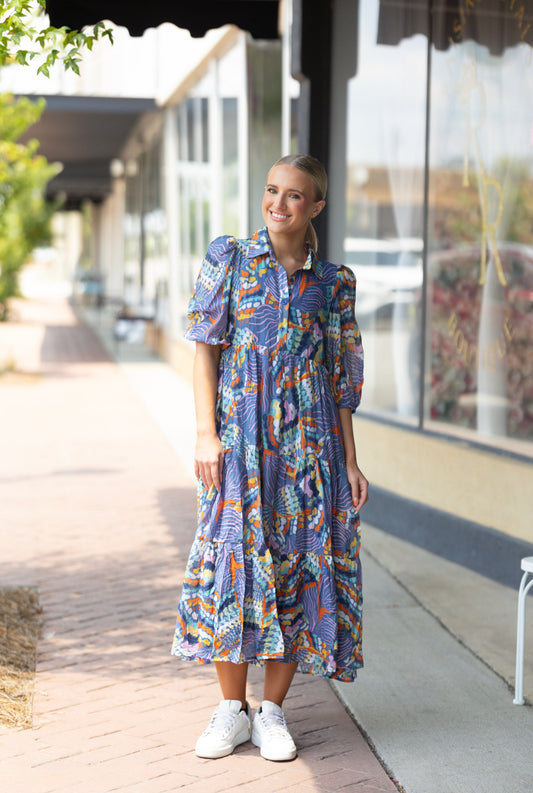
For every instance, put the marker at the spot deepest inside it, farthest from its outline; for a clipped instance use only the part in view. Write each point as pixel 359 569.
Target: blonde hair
pixel 313 168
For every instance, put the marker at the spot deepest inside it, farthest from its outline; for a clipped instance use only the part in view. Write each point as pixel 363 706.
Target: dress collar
pixel 259 245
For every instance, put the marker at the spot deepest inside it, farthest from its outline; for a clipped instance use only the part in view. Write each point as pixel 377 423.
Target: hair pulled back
pixel 313 168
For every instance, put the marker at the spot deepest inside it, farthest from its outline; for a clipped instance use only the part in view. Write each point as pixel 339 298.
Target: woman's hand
pixel 208 460
pixel 208 455
pixel 358 483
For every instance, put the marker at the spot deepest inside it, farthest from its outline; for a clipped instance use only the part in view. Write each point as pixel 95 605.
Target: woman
pixel 274 576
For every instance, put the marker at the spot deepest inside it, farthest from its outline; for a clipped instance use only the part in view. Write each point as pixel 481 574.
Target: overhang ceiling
pixel 259 17
pixel 85 134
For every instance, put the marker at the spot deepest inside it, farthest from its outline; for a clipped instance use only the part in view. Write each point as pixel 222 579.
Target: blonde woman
pixel 274 575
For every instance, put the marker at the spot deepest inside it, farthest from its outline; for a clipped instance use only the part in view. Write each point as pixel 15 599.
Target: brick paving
pixel 97 511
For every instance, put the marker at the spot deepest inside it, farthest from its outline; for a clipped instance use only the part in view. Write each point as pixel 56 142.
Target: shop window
pixel 440 171
pixel 229 133
pixel 154 223
pixel 264 120
pixel 132 234
pixel 385 207
pixel 194 181
pixel 230 165
pixel 480 231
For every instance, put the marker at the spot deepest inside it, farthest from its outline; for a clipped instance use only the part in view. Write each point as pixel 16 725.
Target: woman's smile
pixel 278 215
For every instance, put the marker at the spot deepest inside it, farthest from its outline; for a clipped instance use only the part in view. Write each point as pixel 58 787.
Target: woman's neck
pixel 291 253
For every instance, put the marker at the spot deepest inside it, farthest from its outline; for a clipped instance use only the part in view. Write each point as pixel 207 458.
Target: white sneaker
pixel 271 734
pixel 229 727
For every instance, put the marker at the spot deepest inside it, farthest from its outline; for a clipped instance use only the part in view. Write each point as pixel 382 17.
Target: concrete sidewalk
pixel 98 510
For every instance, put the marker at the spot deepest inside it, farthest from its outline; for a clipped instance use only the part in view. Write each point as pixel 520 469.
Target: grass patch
pixel 20 626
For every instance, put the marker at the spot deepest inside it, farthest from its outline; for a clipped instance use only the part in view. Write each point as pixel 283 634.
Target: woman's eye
pixel 294 195
pixel 270 190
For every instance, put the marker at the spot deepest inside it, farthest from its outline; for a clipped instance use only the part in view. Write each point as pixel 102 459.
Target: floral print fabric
pixel 274 571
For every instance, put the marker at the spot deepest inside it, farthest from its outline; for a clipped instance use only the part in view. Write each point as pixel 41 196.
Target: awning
pixel 495 24
pixel 85 134
pixel 259 17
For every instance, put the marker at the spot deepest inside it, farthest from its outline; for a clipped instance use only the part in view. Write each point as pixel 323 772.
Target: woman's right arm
pixel 208 456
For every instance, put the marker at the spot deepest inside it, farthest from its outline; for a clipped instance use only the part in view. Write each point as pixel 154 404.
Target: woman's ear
pixel 319 206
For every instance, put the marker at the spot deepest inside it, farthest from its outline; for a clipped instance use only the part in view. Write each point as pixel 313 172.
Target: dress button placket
pixel 285 299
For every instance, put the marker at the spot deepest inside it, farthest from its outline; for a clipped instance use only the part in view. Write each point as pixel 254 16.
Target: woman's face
pixel 289 200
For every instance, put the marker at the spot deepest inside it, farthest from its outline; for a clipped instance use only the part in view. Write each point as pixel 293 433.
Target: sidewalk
pixel 435 696
pixel 97 509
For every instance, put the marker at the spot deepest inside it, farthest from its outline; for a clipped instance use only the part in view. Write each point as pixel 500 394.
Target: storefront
pixel 430 155
pixel 439 230
pixel 194 172
pixel 422 111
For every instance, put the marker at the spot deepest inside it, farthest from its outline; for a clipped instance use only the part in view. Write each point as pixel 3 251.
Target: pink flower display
pixel 458 352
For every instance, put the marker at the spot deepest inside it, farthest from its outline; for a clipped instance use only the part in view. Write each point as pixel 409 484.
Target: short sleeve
pixel 344 350
pixel 208 311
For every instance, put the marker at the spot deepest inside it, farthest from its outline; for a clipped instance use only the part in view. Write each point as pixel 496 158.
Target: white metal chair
pixel 527 566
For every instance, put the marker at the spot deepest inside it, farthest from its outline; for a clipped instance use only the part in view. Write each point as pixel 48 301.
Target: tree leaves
pixel 25 37
pixel 24 214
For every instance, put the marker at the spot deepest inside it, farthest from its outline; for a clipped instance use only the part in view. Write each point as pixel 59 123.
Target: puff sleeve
pixel 344 350
pixel 208 312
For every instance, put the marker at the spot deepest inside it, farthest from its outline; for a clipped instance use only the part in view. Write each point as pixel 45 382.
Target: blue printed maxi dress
pixel 274 571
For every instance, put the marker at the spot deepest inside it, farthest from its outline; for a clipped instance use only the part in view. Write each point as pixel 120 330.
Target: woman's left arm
pixel 358 481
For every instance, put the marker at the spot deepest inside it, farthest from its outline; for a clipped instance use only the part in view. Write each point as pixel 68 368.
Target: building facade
pixel 422 111
pixel 439 229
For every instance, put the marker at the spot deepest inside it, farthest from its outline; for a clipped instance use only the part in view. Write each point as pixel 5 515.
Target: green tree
pixel 25 215
pixel 25 37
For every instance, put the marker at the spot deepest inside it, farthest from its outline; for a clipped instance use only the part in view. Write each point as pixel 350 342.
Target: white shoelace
pixel 222 722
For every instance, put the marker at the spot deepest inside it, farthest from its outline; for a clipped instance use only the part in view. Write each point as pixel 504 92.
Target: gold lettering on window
pixel 471 354
pixel 489 229
pixel 470 86
pixel 491 192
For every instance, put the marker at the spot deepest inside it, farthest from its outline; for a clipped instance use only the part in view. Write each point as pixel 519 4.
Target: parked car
pixel 389 272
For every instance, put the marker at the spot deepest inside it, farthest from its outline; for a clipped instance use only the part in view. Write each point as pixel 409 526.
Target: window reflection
pixel 385 203
pixel 480 265
pixel 230 164
pixel 194 179
pixel 479 205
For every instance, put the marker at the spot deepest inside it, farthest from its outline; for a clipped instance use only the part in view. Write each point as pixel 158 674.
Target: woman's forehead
pixel 289 176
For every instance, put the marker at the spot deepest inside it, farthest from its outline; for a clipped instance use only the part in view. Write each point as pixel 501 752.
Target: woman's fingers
pixel 363 491
pixel 214 470
pixel 208 473
pixel 355 494
pixel 211 473
pixel 359 486
pixel 208 462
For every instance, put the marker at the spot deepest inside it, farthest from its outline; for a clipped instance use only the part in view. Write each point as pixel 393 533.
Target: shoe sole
pixel 241 738
pixel 284 759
